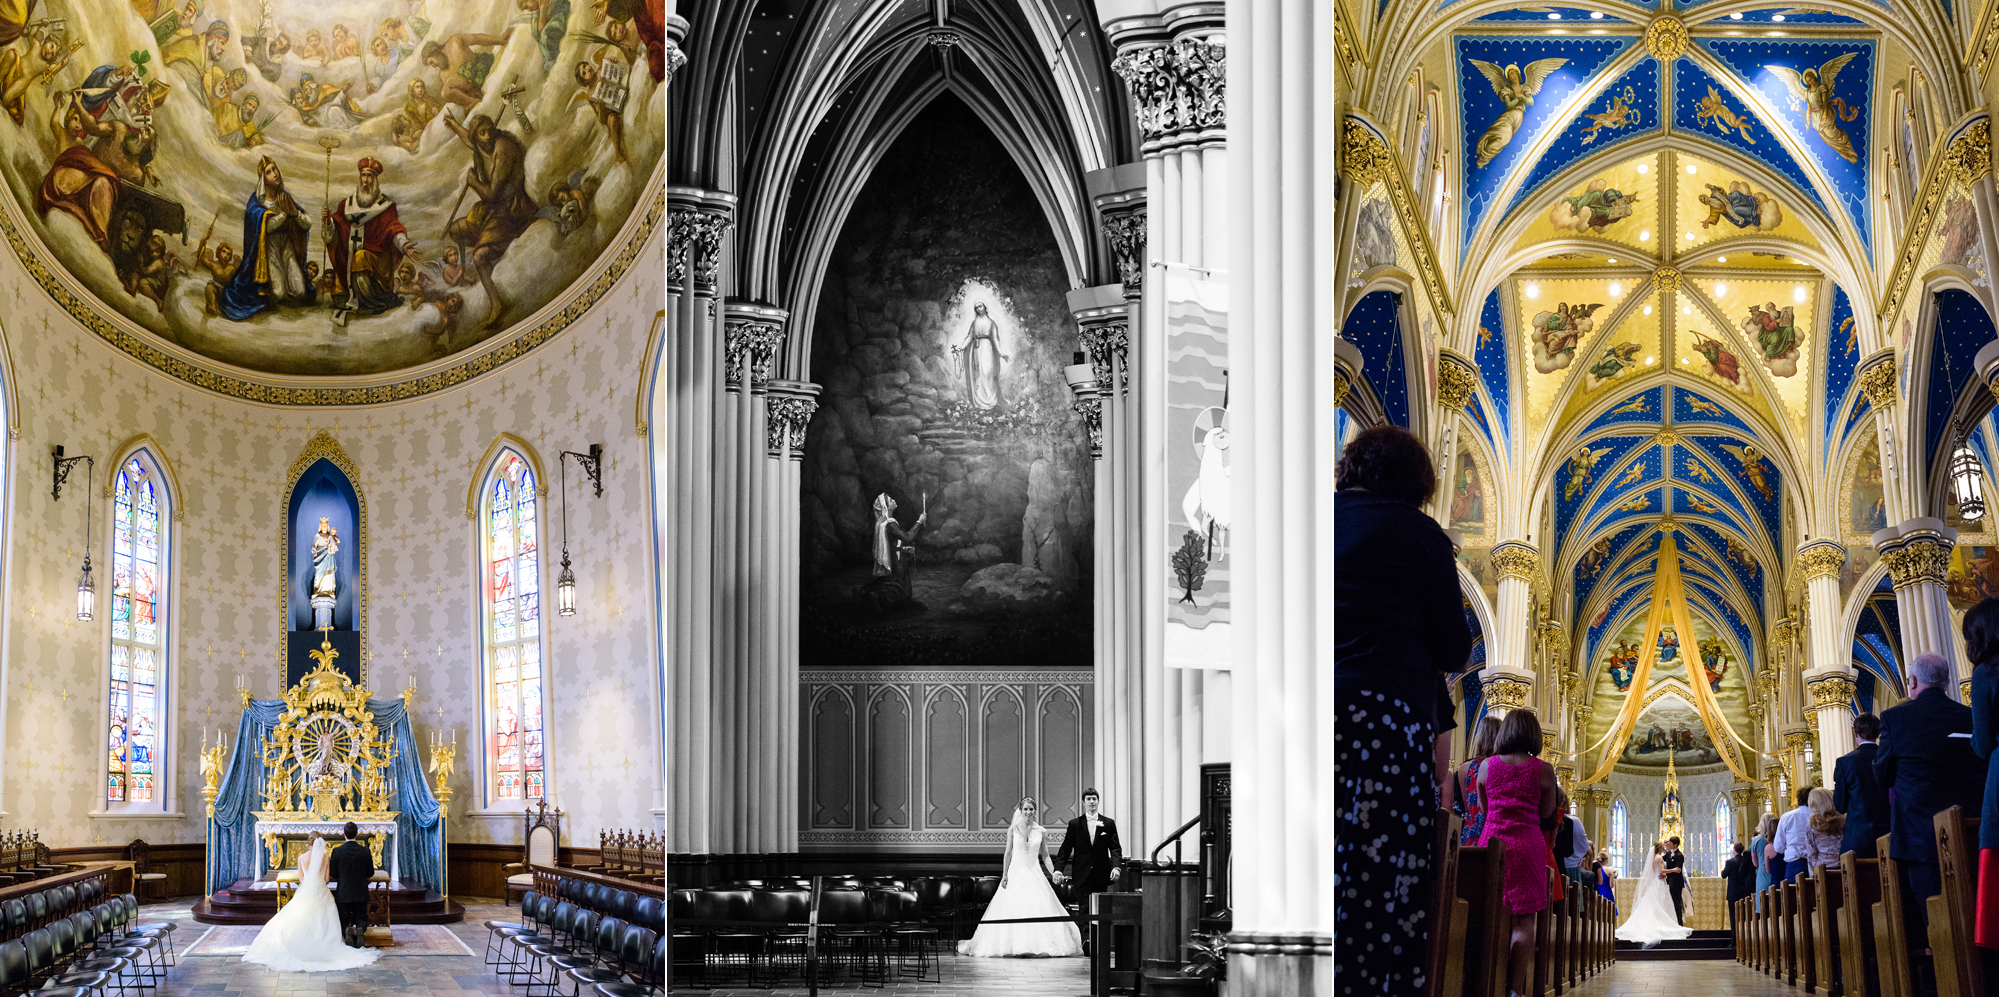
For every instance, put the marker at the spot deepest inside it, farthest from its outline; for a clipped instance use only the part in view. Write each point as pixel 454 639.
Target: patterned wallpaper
pixel 416 462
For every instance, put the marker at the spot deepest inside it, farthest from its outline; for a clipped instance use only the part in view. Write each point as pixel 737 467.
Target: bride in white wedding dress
pixel 1652 919
pixel 1024 892
pixel 304 936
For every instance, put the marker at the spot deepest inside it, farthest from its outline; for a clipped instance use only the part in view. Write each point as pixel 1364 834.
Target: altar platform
pixel 247 902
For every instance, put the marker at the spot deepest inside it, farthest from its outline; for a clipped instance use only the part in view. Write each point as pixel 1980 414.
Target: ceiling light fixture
pixel 1722 259
pixel 1777 17
pixel 1649 361
pixel 1690 236
pixel 1616 289
pixel 1644 235
pixel 1684 360
pixel 1687 309
pixel 1721 289
pixel 1532 289
pixel 1799 294
pixel 1738 16
pixel 1649 309
pixel 592 465
pixel 1690 169
pixel 1596 15
pixel 1642 167
pixel 1557 16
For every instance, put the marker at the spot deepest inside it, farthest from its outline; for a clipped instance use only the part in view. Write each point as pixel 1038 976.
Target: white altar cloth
pixel 333 831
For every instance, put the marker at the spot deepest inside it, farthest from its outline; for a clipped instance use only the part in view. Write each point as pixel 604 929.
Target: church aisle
pixel 1711 978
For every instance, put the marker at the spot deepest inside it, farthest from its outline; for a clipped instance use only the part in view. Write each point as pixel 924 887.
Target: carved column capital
pixel 1126 232
pixel 1457 377
pixel 1177 89
pixel 1970 156
pixel 697 220
pixel 1105 344
pixel 1797 738
pixel 1514 559
pixel 1090 408
pixel 1919 558
pixel 1877 376
pixel 787 414
pixel 1831 692
pixel 1507 692
pixel 1821 559
pixel 753 334
pixel 675 60
pixel 1742 798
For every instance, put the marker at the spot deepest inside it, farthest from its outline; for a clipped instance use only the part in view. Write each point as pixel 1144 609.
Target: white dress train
pixel 1026 893
pixel 1652 917
pixel 304 937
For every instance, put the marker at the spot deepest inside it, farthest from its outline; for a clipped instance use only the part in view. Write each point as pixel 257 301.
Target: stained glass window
pixel 1724 818
pixel 513 632
pixel 138 647
pixel 1618 828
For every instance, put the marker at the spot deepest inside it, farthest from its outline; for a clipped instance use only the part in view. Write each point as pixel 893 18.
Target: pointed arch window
pixel 1724 819
pixel 136 707
pixel 1620 824
pixel 511 593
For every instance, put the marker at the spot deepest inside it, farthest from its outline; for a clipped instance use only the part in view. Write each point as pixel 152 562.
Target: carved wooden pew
pixel 1860 891
pixel 1805 903
pixel 1487 930
pixel 1447 956
pixel 1961 966
pixel 1825 923
pixel 1892 951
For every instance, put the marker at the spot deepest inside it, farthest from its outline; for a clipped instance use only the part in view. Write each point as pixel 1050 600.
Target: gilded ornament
pixel 1505 692
pixel 325 759
pixel 1798 738
pixel 1878 379
pixel 1666 279
pixel 1831 691
pixel 1457 377
pixel 1363 157
pixel 1666 38
pixel 1819 559
pixel 1666 437
pixel 1516 560
pixel 1970 157
pixel 1342 384
pixel 1922 558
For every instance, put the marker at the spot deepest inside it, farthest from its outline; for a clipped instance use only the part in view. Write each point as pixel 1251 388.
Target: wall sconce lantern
pixel 86 592
pixel 592 464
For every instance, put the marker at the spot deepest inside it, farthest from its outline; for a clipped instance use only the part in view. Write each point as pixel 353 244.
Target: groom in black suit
pixel 1090 851
pixel 350 867
pixel 1672 862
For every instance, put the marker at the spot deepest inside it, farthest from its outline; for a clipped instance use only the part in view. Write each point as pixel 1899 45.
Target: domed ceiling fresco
pixel 280 189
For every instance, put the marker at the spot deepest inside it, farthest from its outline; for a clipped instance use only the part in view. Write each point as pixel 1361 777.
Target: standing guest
pixel 1858 794
pixel 1823 829
pixel 1791 843
pixel 1399 629
pixel 1741 873
pixel 1674 865
pixel 1573 847
pixel 1467 801
pixel 1521 794
pixel 1980 621
pixel 1607 881
pixel 1926 760
pixel 1760 847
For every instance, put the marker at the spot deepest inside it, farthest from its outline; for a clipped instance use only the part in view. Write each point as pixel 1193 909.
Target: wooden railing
pixel 546 877
pixel 116 878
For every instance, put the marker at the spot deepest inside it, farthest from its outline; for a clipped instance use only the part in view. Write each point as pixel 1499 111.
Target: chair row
pixel 25 912
pixel 1843 931
pixel 89 952
pixel 869 935
pixel 940 899
pixel 625 905
pixel 634 855
pixel 1471 933
pixel 558 943
pixel 23 858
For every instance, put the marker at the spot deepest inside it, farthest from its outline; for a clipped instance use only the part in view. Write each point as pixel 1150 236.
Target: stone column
pixel 1832 696
pixel 690 380
pixel 790 405
pixel 747 577
pixel 1797 738
pixel 1742 804
pixel 1104 319
pixel 1830 669
pixel 1507 648
pixel 676 30
pixel 1877 376
pixel 1917 552
pixel 1172 65
pixel 1280 212
pixel 1457 376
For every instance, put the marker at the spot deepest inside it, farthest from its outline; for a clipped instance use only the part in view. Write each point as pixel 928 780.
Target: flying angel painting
pixel 1580 468
pixel 1824 111
pixel 1753 468
pixel 1516 88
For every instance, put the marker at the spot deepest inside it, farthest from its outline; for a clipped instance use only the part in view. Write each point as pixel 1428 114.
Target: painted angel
pixel 1824 111
pixel 1753 468
pixel 1580 467
pixel 1516 88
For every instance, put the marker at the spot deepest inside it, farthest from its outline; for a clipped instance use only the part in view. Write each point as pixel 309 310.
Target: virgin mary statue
pixel 326 544
pixel 981 356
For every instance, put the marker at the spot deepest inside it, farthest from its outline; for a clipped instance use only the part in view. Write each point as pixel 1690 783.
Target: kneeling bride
pixel 305 935
pixel 1652 919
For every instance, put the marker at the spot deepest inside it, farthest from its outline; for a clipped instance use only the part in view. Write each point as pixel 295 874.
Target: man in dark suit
pixel 1677 882
pixel 1090 851
pixel 1926 761
pixel 1741 872
pixel 1858 794
pixel 350 867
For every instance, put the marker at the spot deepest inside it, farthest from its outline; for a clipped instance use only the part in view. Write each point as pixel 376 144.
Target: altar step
pixel 1700 945
pixel 245 904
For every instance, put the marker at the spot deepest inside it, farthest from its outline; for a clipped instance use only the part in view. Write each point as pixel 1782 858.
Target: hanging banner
pixel 1197 471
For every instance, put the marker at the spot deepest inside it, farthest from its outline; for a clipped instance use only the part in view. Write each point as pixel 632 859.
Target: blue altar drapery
pixel 232 838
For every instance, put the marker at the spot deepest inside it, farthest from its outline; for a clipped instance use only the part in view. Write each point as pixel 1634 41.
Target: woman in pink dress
pixel 1520 792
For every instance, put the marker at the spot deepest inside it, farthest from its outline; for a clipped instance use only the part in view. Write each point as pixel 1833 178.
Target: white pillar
pixel 1280 98
pixel 1917 553
pixel 791 405
pixel 1829 675
pixel 1507 648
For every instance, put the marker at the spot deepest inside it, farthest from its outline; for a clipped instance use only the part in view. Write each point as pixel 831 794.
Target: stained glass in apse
pixel 513 594
pixel 1723 819
pixel 137 651
pixel 1618 828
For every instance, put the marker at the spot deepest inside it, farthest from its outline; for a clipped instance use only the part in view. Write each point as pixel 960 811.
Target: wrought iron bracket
pixel 63 466
pixel 591 463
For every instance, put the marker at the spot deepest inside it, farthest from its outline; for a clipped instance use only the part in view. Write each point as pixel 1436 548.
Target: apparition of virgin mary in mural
pixel 306 188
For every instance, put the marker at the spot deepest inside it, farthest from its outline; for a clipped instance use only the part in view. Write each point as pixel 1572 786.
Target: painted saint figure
pixel 1516 87
pixel 499 178
pixel 981 357
pixel 274 251
pixel 1813 90
pixel 366 241
pixel 326 544
pixel 890 536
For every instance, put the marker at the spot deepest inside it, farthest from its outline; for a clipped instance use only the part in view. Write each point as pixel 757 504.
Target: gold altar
pixel 1706 899
pixel 325 763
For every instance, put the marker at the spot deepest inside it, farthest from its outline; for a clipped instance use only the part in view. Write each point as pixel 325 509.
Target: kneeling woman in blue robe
pixel 274 251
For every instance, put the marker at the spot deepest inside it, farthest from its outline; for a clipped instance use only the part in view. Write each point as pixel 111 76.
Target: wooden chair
pixel 1487 930
pixel 1892 950
pixel 381 932
pixel 151 885
pixel 1827 899
pixel 1961 966
pixel 541 834
pixel 1860 891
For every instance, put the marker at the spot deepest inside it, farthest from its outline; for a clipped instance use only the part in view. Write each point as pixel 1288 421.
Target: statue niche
pixel 324 597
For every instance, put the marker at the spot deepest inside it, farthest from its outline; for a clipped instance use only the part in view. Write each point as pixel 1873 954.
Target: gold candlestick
pixel 442 755
pixel 211 773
